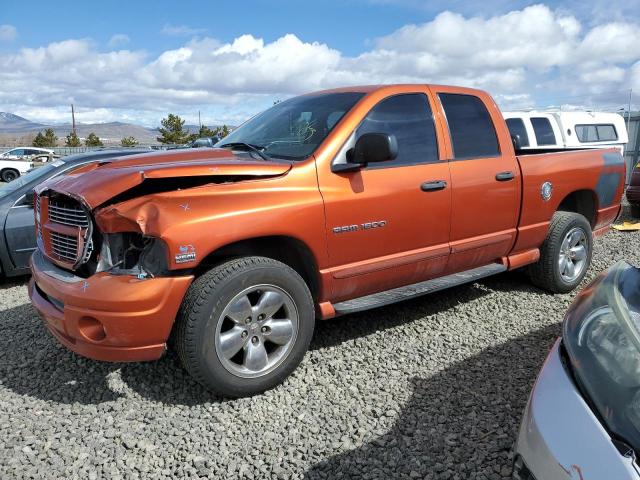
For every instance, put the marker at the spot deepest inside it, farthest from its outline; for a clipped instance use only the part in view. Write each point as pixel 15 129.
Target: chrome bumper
pixel 560 437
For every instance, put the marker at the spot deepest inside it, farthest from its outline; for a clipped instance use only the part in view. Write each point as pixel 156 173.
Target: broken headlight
pixel 132 254
pixel 601 336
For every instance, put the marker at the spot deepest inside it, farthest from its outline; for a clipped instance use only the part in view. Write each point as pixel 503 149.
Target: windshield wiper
pixel 250 147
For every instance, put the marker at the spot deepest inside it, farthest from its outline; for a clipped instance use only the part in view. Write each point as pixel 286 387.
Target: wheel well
pixel 288 250
pixel 583 202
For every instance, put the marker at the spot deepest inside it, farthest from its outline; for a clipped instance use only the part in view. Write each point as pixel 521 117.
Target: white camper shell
pixel 568 129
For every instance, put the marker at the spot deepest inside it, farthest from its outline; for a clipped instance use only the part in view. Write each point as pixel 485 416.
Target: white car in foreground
pixel 582 420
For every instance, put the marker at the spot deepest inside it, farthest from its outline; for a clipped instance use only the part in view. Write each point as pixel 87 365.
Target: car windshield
pixel 33 175
pixel 293 129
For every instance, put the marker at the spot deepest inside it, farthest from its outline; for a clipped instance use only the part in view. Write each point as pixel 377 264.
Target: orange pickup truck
pixel 325 204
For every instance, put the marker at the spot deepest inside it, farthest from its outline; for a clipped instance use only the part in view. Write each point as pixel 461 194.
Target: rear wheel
pixel 565 255
pixel 245 325
pixel 9 175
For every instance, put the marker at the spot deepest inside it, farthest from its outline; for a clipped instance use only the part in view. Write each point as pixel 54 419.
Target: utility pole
pixel 629 110
pixel 199 121
pixel 73 120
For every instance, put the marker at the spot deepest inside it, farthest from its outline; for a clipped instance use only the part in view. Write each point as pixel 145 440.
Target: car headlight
pixel 601 336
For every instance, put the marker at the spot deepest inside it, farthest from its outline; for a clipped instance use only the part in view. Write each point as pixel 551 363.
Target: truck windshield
pixel 293 129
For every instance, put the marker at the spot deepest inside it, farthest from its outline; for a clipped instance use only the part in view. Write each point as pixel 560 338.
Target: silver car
pixel 582 420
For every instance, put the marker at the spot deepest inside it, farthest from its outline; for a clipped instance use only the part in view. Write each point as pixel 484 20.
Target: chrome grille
pixel 64 247
pixel 67 213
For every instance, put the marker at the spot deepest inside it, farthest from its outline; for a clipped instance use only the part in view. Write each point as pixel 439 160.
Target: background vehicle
pixel 24 153
pixel 11 167
pixel 633 192
pixel 204 142
pixel 17 223
pixel 568 129
pixel 323 205
pixel 583 416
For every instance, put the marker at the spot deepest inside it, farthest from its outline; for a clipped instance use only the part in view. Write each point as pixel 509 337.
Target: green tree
pixel 221 132
pixel 129 142
pixel 205 132
pixel 72 140
pixel 93 140
pixel 172 130
pixel 48 139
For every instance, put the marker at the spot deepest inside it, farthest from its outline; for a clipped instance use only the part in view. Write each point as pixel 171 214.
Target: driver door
pixel 388 223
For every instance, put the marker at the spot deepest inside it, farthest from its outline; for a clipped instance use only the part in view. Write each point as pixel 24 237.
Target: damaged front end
pixel 67 234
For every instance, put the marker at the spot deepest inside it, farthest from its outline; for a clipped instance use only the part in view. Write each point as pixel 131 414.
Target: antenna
pixel 199 121
pixel 73 120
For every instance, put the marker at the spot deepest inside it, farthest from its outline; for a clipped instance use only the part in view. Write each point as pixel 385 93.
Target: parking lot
pixel 429 388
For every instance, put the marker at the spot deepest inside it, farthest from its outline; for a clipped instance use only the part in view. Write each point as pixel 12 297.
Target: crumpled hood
pixel 101 181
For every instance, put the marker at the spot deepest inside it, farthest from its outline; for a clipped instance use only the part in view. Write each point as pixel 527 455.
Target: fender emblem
pixel 546 191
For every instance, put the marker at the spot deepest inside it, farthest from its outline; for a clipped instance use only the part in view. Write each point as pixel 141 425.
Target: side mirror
pixel 516 141
pixel 29 197
pixel 369 148
pixel 373 148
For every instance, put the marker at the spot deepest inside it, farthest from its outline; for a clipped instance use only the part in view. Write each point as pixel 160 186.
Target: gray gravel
pixel 430 388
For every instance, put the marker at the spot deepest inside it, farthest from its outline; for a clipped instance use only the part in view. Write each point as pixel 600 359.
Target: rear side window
pixel 596 133
pixel 516 127
pixel 410 119
pixel 543 131
pixel 470 126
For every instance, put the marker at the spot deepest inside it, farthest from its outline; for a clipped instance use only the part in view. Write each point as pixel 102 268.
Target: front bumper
pixel 560 437
pixel 107 317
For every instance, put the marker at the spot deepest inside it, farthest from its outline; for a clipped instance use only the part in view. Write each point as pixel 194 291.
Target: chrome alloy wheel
pixel 256 331
pixel 573 254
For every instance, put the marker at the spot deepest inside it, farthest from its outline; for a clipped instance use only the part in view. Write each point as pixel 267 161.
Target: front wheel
pixel 245 325
pixel 565 255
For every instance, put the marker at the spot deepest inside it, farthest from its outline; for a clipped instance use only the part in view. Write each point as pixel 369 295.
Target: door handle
pixel 433 186
pixel 504 176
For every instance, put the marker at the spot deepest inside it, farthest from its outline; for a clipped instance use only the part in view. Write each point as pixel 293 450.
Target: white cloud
pixel 181 30
pixel 523 57
pixel 118 40
pixel 8 33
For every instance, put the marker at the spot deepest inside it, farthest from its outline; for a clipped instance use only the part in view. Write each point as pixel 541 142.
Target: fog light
pixel 91 329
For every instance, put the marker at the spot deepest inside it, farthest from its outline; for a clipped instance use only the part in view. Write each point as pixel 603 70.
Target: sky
pixel 136 61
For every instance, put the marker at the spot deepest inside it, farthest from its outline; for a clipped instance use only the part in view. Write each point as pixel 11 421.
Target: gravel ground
pixel 430 388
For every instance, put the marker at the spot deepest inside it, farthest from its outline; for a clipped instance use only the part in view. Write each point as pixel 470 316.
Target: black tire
pixel 545 273
pixel 202 310
pixel 9 175
pixel 635 211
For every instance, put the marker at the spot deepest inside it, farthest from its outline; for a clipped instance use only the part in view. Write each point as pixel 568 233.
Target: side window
pixel 543 130
pixel 596 133
pixel 409 118
pixel 606 133
pixel 470 126
pixel 516 127
pixel 18 151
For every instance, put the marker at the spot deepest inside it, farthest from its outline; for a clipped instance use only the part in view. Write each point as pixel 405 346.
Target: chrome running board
pixel 417 289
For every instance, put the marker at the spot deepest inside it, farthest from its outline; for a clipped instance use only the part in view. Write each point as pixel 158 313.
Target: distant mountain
pixel 111 132
pixel 10 123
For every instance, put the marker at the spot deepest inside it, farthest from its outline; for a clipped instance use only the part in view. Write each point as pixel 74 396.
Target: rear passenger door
pixel 485 179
